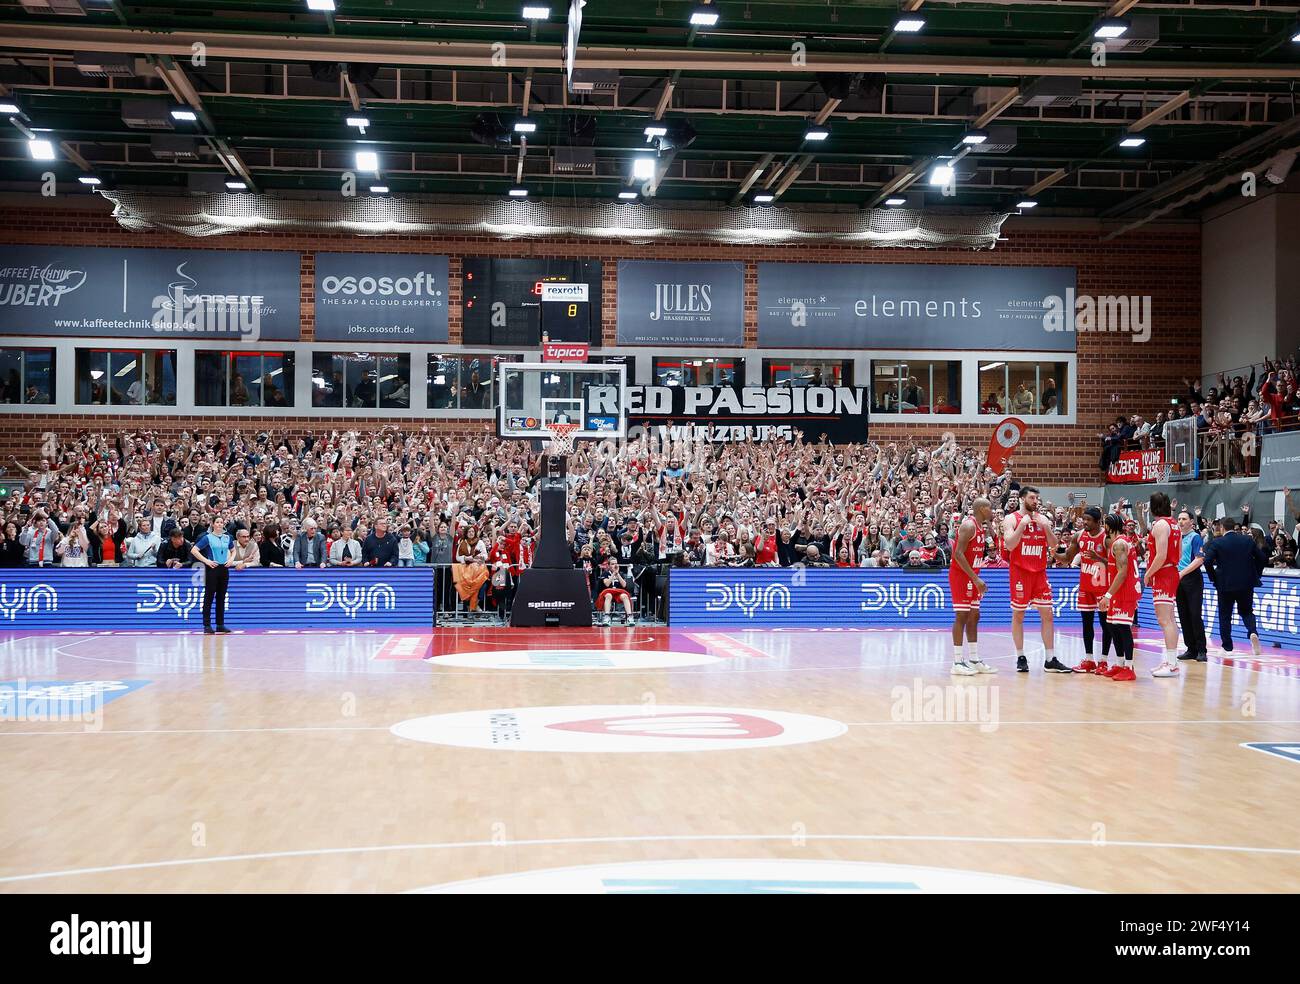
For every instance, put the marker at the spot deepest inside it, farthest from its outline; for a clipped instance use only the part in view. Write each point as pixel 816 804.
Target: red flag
pixel 1006 436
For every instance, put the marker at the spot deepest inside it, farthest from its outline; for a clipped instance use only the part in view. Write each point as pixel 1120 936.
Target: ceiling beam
pixel 454 54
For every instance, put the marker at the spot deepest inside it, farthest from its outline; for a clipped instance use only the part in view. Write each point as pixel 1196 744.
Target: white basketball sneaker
pixel 962 668
pixel 1165 670
pixel 981 666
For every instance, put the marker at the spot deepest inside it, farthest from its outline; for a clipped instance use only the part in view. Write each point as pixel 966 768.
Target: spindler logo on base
pixel 551 606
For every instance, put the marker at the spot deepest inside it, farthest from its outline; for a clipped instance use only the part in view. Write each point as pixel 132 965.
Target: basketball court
pixel 634 760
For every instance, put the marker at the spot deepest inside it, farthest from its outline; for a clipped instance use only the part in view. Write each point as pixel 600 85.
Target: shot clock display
pixel 502 301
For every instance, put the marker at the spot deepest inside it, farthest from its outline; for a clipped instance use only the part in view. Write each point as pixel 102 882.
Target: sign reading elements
pixel 619 728
pixel 1136 467
pixel 159 598
pixel 381 297
pixel 1279 462
pixel 909 306
pixel 856 597
pixel 723 414
pixel 680 303
pixel 236 295
pixel 746 876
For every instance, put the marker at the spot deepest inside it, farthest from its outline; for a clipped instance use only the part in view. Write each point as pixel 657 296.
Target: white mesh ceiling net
pixel 217 215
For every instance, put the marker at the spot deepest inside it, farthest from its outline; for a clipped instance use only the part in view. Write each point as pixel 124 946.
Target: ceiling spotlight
pixel 643 167
pixel 188 115
pixel 975 137
pixel 764 198
pixel 656 130
pixel 320 5
pixel 942 174
pixel 525 125
pixel 627 196
pixel 1133 141
pixel 89 179
pixel 379 189
pixel 233 185
pixel 816 133
pixel 909 25
pixel 1110 27
pixel 9 109
pixel 895 201
pixel 367 160
pixel 518 192
pixel 1027 203
pixel 41 150
pixel 704 17
pixel 1281 168
pixel 536 12
pixel 360 122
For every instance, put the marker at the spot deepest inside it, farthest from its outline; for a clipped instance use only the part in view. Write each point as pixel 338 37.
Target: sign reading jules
pixel 680 303
pixel 137 293
pixel 910 306
pixel 384 297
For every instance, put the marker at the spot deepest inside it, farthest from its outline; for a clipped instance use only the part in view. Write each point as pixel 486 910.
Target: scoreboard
pixel 502 301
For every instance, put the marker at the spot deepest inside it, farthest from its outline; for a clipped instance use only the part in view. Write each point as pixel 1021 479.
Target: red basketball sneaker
pixel 1111 671
pixel 1103 668
pixel 1123 674
pixel 1087 666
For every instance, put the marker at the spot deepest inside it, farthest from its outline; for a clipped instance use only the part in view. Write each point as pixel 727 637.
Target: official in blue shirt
pixel 213 551
pixel 1235 564
pixel 1191 589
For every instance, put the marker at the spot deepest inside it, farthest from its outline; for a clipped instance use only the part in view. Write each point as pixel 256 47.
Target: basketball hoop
pixel 561 445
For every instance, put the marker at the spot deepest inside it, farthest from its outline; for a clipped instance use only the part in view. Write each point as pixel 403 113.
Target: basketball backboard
pixel 535 395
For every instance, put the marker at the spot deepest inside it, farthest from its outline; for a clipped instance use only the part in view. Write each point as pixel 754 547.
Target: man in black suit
pixel 1235 564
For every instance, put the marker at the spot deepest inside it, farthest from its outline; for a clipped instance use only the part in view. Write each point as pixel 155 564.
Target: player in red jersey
pixel 1089 545
pixel 1121 598
pixel 966 588
pixel 1164 547
pixel 1027 540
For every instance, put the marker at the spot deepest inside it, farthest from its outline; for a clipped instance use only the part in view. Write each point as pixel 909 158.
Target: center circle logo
pixel 740 876
pixel 620 728
pixel 574 659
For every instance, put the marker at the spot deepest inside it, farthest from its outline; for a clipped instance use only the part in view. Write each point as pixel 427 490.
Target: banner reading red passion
pixel 1137 466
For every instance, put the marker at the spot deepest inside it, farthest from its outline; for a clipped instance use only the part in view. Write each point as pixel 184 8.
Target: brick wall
pixel 1116 375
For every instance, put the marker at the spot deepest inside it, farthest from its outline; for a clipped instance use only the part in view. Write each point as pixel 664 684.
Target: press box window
pixel 464 382
pixel 126 377
pixel 361 380
pixel 801 372
pixel 1023 388
pixel 671 371
pixel 27 375
pixel 915 386
pixel 243 379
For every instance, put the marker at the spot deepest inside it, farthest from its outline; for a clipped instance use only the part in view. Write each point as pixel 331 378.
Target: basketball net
pixel 561 445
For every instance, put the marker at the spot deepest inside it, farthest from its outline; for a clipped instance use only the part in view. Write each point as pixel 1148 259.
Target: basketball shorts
pixel 1165 587
pixel 965 597
pixel 1123 609
pixel 1029 588
pixel 1089 600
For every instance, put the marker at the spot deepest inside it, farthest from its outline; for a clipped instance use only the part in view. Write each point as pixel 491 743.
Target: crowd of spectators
pixel 469 505
pixel 1231 418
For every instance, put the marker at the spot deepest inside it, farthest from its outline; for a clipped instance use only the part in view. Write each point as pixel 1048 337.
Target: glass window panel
pixel 38 375
pixel 915 386
pixel 125 387
pixel 476 382
pixel 11 376
pixel 210 379
pixel 327 380
pixel 443 382
pixel 277 380
pixel 92 377
pixel 359 380
pixel 394 382
pixel 675 371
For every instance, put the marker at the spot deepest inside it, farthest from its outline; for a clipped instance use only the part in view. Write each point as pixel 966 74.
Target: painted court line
pixel 783 838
